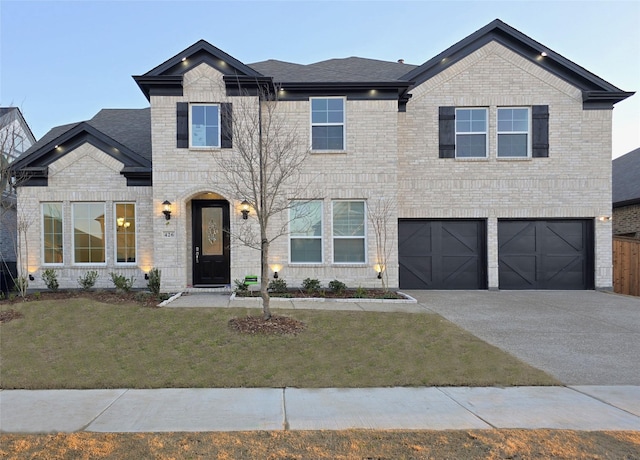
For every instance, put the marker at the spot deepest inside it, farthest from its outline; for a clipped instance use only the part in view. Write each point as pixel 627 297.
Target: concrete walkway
pixel 588 340
pixel 587 408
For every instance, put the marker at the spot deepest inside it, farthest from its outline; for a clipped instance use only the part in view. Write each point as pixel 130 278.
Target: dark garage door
pixel 442 254
pixel 545 254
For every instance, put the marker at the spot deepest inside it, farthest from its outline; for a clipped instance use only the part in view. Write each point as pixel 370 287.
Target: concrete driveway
pixel 579 337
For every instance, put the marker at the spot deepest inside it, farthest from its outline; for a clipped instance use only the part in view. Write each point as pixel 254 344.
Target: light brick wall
pixel 626 220
pixel 366 170
pixel 574 182
pixel 86 174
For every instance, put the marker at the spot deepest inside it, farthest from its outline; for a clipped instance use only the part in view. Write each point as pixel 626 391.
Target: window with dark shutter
pixel 447 132
pixel 182 128
pixel 540 131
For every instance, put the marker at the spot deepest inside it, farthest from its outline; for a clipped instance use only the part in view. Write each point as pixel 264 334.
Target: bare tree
pixel 265 169
pixel 12 226
pixel 380 213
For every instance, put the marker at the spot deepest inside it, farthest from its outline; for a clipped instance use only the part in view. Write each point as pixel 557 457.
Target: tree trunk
pixel 264 279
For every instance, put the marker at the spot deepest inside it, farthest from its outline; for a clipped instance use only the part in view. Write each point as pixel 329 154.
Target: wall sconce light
pixel 146 276
pixel 276 269
pixel 244 209
pixel 379 268
pixel 166 209
pixel 604 218
pixel 31 278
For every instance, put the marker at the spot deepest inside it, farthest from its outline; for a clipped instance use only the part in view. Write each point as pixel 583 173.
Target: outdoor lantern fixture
pixel 379 268
pixel 276 268
pixel 244 209
pixel 166 209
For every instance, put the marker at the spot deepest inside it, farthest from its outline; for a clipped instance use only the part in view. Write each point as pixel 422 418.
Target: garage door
pixel 545 254
pixel 442 254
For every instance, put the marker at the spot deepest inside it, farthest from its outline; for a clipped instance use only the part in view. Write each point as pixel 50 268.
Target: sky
pixel 63 61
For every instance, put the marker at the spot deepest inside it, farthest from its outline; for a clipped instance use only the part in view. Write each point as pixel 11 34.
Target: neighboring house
pixel 497 152
pixel 15 139
pixel 626 194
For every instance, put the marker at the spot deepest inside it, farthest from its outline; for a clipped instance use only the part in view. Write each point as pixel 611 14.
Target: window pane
pixel 471 120
pixel 205 130
pixel 306 250
pixel 306 219
pixel 472 145
pixel 327 138
pixel 348 250
pixel 88 232
pixel 512 145
pixel 513 120
pixel 348 218
pixel 125 232
pixel 52 233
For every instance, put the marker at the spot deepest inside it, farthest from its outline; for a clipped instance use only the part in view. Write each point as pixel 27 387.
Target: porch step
pixel 202 290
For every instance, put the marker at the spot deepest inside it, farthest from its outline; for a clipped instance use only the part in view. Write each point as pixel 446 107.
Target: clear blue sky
pixel 62 61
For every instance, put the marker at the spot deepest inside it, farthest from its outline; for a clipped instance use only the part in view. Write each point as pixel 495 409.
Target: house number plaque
pixel 169 234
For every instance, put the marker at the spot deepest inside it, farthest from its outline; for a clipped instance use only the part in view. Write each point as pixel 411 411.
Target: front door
pixel 211 261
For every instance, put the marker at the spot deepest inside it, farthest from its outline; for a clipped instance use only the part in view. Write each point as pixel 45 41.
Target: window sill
pixel 331 152
pixel 472 158
pixel 306 265
pixel 513 158
pixel 350 265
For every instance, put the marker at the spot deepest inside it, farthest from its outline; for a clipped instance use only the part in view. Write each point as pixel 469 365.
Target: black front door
pixel 211 261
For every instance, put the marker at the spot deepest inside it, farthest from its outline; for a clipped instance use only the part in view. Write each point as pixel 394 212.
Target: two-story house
pixel 15 138
pixel 496 154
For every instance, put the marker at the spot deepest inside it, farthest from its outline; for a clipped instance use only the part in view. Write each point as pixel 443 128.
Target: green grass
pixel 79 343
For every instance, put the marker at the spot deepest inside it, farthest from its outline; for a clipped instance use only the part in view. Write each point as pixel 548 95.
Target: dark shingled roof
pixel 129 127
pixel 626 179
pixel 351 69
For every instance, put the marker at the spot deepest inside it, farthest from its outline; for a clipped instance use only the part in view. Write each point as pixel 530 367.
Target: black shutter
pixel 182 125
pixel 540 131
pixel 226 120
pixel 447 123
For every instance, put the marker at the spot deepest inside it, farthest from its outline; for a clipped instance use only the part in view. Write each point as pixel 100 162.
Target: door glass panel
pixel 212 231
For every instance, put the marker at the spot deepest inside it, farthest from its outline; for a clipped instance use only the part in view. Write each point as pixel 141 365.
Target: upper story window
pixel 513 132
pixel 205 125
pixel 471 133
pixel 305 232
pixel 327 123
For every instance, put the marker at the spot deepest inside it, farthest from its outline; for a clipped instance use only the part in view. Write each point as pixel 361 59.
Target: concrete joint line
pixel 86 426
pixel 285 422
pixel 600 400
pixel 471 412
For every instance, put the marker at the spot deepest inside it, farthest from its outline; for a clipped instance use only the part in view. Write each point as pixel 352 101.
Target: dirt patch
pixel 6 316
pixel 276 325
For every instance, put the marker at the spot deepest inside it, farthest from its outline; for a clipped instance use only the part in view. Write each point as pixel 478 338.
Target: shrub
pixel 311 285
pixel 338 287
pixel 241 286
pixel 21 284
pixel 154 281
pixel 87 281
pixel 50 278
pixel 121 282
pixel 360 293
pixel 278 286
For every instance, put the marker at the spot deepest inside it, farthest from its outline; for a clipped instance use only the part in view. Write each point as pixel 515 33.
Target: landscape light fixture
pixel 166 209
pixel 244 209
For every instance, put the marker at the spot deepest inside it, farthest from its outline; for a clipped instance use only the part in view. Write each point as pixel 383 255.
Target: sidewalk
pixel 588 408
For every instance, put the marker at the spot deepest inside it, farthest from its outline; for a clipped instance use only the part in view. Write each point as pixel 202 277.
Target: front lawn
pixel 83 343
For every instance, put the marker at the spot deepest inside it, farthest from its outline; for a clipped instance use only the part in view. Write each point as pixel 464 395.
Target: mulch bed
pixel 328 294
pixel 276 325
pixel 105 296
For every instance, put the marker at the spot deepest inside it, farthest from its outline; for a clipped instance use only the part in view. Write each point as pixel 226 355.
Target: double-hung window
pixel 125 220
pixel 471 133
pixel 349 232
pixel 327 123
pixel 513 132
pixel 52 233
pixel 205 125
pixel 88 233
pixel 305 232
